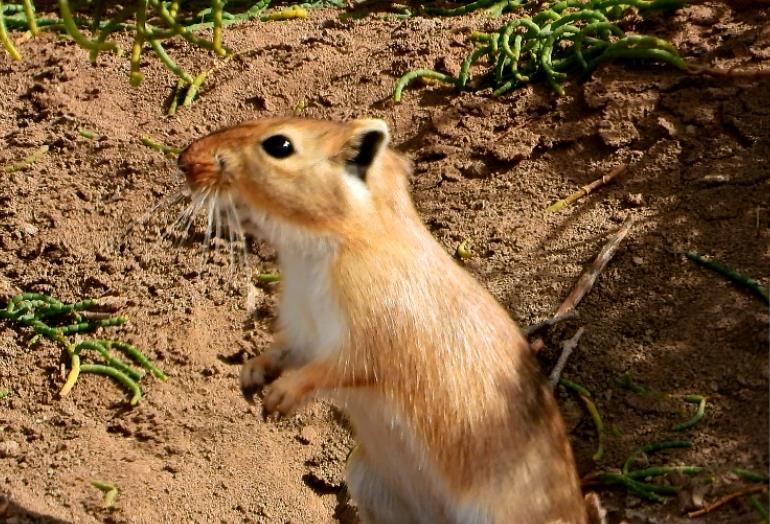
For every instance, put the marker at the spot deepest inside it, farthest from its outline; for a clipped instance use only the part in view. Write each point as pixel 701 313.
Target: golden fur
pixel 454 421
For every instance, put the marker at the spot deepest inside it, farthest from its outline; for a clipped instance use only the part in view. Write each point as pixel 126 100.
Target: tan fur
pixel 454 420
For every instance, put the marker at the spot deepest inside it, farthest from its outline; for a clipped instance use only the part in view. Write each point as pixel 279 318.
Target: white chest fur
pixel 309 316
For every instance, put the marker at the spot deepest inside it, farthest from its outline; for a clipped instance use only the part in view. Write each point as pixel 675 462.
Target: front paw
pixel 283 396
pixel 256 372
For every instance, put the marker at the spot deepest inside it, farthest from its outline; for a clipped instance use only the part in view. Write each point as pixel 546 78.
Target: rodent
pixel 454 421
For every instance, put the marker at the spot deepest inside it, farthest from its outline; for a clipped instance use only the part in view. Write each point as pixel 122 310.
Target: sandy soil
pixel 485 169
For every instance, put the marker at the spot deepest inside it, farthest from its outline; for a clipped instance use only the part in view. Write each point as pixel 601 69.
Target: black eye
pixel 277 146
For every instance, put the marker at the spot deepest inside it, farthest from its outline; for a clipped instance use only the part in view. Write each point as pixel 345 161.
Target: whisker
pixel 200 200
pixel 211 203
pixel 182 219
pixel 241 236
pixel 230 233
pixel 217 220
pixel 168 200
pixel 181 227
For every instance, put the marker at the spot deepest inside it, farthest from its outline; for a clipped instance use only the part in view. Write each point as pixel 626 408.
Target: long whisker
pixel 230 232
pixel 199 201
pixel 168 200
pixel 241 236
pixel 211 207
pixel 217 220
pixel 184 217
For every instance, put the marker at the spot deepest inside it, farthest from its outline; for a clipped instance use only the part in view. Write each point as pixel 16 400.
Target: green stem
pixel 157 146
pixel 5 39
pixel 659 471
pixel 649 449
pixel 646 491
pixel 585 396
pixel 29 12
pixel 192 91
pixel 267 278
pixel 732 275
pixel 180 84
pixel 31 159
pixel 217 7
pixel 137 355
pixel 577 388
pixel 460 10
pixel 77 36
pixel 169 62
pixel 109 490
pixel 701 402
pixel 176 28
pixel 117 375
pixel 751 476
pixel 419 73
pixel 758 507
pixel 100 348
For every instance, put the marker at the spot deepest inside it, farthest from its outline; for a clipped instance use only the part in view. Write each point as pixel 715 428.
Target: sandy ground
pixel 194 451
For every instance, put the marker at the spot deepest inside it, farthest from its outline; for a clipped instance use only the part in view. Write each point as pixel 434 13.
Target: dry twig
pixel 587 189
pixel 589 276
pixel 727 498
pixel 534 328
pixel 729 73
pixel 567 347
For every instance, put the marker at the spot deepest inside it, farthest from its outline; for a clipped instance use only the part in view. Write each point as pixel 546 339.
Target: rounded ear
pixel 367 138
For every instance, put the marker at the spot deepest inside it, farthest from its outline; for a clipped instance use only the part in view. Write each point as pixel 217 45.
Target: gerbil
pixel 453 420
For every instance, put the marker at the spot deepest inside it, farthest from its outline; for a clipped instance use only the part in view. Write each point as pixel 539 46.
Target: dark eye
pixel 278 146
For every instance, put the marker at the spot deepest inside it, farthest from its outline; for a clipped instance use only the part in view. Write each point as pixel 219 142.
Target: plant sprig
pixel 548 44
pixel 151 23
pixel 50 318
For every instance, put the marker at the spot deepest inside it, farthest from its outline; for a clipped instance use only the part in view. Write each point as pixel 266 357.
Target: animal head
pixel 318 177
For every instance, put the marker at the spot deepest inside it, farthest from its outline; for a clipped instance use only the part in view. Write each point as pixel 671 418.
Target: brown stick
pixel 534 328
pixel 731 72
pixel 567 347
pixel 727 498
pixel 585 190
pixel 589 276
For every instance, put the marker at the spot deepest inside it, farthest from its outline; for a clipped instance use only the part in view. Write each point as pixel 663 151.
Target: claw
pixel 255 374
pixel 283 396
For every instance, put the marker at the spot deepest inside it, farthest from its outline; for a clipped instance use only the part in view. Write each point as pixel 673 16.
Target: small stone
pixel 638 261
pixel 307 435
pixel 716 179
pixel 209 371
pixel 634 200
pixel 668 126
pixel 451 174
pixel 29 229
pixel 474 170
pixel 9 448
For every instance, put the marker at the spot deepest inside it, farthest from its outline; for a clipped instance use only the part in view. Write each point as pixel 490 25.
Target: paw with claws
pixel 259 371
pixel 284 395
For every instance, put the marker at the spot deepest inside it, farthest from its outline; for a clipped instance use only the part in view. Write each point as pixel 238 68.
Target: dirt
pixel 76 224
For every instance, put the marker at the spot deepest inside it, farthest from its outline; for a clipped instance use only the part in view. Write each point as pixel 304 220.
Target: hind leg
pixel 376 501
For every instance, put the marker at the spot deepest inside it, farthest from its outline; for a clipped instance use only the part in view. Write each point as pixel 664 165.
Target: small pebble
pixel 634 200
pixel 9 448
pixel 29 229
